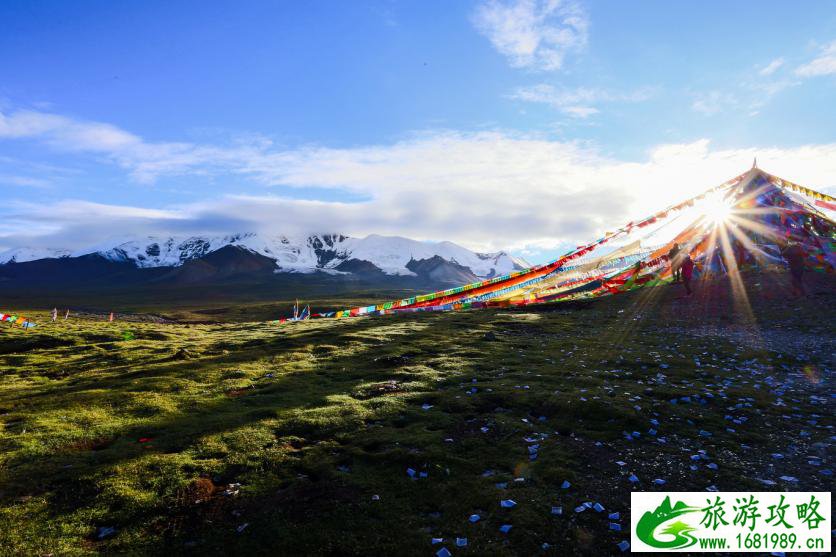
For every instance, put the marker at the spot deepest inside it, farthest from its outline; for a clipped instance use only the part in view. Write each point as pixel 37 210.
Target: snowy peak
pixel 331 253
pixel 165 252
pixel 497 258
pixel 22 255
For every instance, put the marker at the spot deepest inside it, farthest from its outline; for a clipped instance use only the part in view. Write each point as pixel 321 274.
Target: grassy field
pixel 243 438
pixel 198 305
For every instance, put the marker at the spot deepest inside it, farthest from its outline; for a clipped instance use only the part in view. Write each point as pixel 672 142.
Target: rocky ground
pixel 403 435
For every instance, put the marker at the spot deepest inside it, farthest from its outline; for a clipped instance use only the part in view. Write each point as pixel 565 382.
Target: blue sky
pixel 511 124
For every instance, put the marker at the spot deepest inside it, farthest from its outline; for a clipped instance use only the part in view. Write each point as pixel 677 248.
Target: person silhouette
pixel 687 267
pixel 673 257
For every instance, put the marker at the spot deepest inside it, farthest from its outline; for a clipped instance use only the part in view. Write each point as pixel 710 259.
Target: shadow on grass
pixel 71 478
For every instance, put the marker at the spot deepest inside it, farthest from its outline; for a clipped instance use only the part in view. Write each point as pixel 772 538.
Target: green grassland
pixel 148 428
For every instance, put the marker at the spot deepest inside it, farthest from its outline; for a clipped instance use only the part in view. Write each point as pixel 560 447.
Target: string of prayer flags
pixel 24 322
pixel 830 206
pixel 573 275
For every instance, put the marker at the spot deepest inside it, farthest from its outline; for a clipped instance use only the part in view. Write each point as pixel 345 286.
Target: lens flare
pixel 716 208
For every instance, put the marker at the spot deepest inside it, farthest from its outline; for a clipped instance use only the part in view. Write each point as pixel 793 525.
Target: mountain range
pixel 255 259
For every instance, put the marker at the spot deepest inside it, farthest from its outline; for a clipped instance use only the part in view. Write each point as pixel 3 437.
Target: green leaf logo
pixel 681 532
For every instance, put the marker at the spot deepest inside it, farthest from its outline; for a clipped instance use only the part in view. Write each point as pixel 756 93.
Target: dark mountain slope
pixel 438 270
pixel 231 273
pixel 227 263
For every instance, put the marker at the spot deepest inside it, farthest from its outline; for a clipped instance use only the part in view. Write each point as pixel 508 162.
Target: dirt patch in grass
pixel 236 393
pixel 390 387
pixel 92 444
pixel 198 491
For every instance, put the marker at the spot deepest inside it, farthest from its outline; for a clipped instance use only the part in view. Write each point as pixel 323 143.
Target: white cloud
pixel 22 181
pixel 772 67
pixel 533 33
pixel 72 210
pixel 761 93
pixel 580 111
pixel 713 102
pixel 24 174
pixel 575 102
pixel 146 161
pixel 749 93
pixel 487 190
pixel 824 64
pixel 65 132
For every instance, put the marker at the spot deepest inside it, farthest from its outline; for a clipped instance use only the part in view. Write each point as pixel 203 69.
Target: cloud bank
pixel 485 190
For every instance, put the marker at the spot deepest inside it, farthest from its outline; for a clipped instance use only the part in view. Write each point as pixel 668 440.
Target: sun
pixel 716 208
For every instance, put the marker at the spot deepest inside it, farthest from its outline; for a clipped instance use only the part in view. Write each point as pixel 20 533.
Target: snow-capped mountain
pixel 333 253
pixel 21 255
